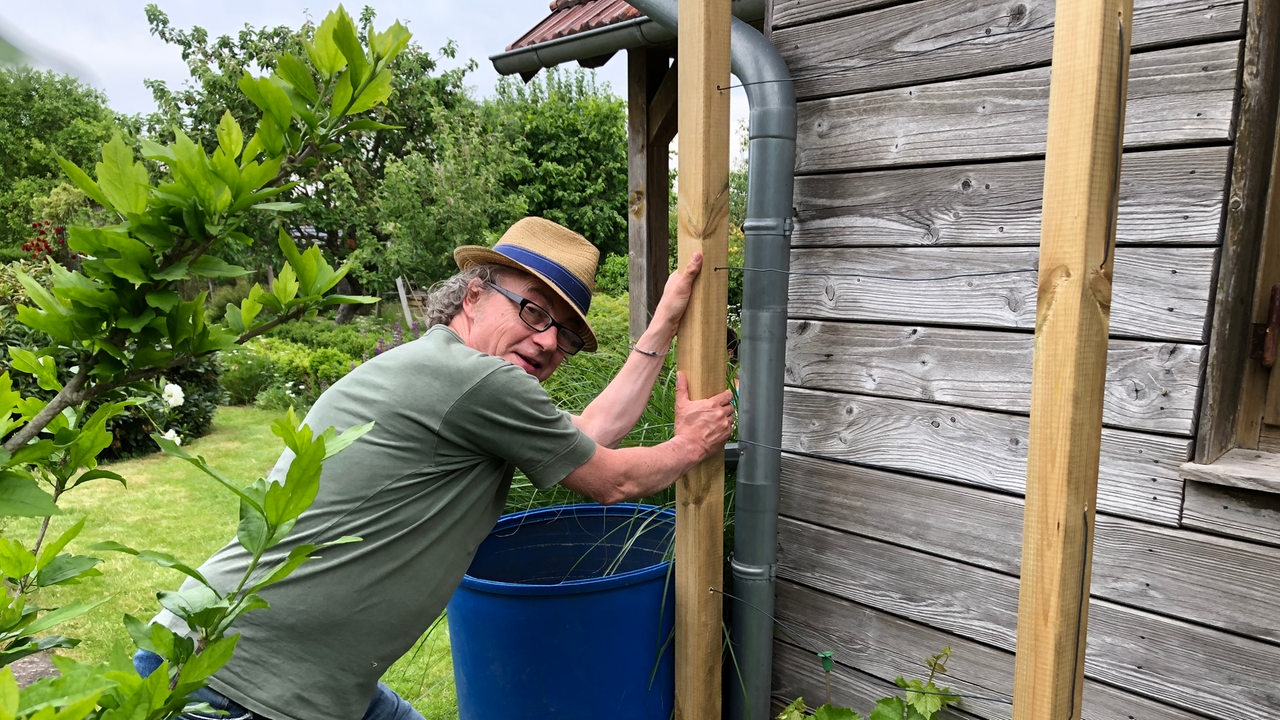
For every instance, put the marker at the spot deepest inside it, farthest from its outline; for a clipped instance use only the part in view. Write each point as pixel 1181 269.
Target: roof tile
pixel 570 17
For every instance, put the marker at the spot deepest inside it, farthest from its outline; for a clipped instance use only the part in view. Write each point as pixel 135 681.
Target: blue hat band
pixel 567 282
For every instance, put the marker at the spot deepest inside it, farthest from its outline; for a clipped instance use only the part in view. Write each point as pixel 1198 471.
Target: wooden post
pixel 404 303
pixel 703 211
pixel 1073 311
pixel 651 93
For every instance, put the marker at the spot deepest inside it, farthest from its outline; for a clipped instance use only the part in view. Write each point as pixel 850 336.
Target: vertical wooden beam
pixel 648 172
pixel 1231 327
pixel 703 212
pixel 1073 311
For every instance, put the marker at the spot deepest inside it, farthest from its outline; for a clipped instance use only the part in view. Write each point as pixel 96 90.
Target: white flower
pixel 172 436
pixel 172 395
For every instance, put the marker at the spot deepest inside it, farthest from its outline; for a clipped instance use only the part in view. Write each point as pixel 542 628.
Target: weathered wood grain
pixel 1194 576
pixel 1161 293
pixel 1167 197
pixel 1237 512
pixel 1190 666
pixel 1149 386
pixel 1138 474
pixel 1175 96
pixel 1232 321
pixel 944 39
pixel 883 646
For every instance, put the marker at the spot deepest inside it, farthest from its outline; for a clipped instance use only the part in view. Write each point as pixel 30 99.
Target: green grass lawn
pixel 170 506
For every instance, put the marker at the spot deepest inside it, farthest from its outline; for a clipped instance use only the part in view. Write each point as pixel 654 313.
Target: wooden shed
pixel 919 172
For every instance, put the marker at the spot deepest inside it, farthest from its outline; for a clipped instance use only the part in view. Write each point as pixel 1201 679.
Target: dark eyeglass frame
pixel 567 339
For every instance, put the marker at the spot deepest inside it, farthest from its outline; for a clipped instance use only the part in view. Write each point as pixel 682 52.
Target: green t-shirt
pixel 422 490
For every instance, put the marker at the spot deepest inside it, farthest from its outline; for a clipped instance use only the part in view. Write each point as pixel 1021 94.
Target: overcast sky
pixel 106 43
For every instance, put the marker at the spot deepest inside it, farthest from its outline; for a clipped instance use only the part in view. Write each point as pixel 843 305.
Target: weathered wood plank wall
pixel 912 303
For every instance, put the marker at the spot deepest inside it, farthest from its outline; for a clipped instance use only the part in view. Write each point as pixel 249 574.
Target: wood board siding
pixel 921 134
pixel 942 39
pixel 1176 95
pixel 1212 672
pixel 1167 197
pixel 1149 386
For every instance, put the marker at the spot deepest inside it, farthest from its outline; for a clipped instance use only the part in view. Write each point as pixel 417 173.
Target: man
pixel 455 412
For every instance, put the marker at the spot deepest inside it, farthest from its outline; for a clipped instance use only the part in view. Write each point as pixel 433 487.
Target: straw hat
pixel 558 256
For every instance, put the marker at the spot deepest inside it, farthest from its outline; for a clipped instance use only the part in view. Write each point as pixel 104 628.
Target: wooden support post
pixel 1073 311
pixel 703 211
pixel 649 103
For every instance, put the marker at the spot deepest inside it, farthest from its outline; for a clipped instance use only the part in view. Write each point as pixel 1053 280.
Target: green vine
pixel 923 701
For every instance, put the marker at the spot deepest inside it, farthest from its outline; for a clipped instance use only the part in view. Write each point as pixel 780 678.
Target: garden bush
pixel 612 277
pixel 245 373
pixel 185 413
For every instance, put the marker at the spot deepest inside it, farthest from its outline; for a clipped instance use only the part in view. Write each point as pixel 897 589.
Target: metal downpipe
pixel 771 149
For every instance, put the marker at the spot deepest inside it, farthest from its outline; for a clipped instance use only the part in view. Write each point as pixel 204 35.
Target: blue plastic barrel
pixel 567 612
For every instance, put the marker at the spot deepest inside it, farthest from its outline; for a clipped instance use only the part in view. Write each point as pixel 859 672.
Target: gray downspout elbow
pixel 771 150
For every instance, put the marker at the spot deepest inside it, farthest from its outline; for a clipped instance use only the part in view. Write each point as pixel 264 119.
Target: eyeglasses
pixel 537 318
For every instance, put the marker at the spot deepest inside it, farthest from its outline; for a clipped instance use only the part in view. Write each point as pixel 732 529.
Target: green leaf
pixel 209 660
pixel 161 559
pixel 123 180
pixel 8 694
pixel 190 601
pixel 253 531
pixel 335 443
pixel 16 561
pixel 388 43
pixel 64 568
pixel 367 124
pixel 297 556
pixel 268 96
pixel 164 300
pixel 209 266
pixel 890 708
pixel 98 474
pixel 285 288
pixel 373 94
pixel 66 612
pixel 349 300
pixel 83 181
pixel 51 550
pixel 348 42
pixel 23 497
pixel 830 712
pixel 277 206
pixel 230 136
pixel 323 49
pixel 343 91
pixel 293 71
pixel 42 367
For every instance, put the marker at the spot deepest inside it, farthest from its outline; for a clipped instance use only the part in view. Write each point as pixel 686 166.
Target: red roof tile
pixel 570 17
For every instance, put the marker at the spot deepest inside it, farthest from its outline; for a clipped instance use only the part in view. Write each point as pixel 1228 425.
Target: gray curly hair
pixel 444 299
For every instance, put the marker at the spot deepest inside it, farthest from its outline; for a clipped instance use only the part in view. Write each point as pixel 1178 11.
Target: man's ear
pixel 474 289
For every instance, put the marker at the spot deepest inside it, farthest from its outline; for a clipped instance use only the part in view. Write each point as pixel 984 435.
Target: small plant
pixel 924 699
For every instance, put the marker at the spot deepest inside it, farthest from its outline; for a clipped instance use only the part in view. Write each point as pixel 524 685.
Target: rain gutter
pixel 771 148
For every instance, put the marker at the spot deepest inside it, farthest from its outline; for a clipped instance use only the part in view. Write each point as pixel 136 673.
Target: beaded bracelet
pixel 650 353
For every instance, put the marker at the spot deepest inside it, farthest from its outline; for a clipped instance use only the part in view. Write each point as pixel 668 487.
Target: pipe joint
pixel 753 573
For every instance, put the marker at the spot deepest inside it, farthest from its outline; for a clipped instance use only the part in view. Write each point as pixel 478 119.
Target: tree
pixel 121 319
pixel 335 212
pixel 570 141
pixel 428 205
pixel 43 115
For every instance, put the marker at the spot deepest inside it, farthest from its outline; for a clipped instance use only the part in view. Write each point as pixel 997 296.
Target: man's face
pixel 498 330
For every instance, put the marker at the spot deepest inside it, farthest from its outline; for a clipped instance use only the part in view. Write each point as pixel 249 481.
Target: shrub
pixel 326 365
pixel 611 278
pixel 227 294
pixel 200 393
pixel 246 371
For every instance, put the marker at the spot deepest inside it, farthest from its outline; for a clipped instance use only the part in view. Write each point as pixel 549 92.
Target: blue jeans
pixel 385 705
